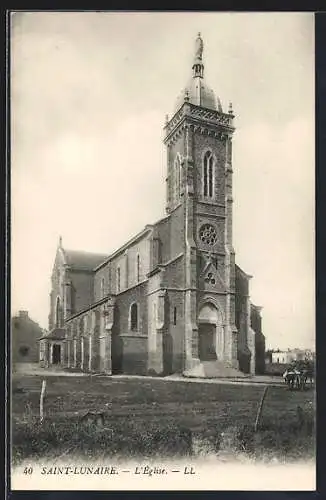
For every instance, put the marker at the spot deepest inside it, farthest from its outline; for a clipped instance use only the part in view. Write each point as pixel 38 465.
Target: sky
pixel 89 95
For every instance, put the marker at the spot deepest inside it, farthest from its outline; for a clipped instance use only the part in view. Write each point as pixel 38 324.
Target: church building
pixel 171 299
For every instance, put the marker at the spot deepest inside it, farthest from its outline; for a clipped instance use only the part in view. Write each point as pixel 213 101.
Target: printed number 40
pixel 28 470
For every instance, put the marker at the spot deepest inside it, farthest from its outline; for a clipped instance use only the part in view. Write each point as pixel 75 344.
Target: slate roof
pixel 55 334
pixel 83 260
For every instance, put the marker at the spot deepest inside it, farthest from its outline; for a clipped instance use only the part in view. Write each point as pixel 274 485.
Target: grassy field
pixel 142 416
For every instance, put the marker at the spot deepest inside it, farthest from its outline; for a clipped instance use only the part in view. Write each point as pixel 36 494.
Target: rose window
pixel 208 234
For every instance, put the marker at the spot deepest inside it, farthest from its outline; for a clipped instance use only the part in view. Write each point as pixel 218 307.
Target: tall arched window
pixel 118 280
pixel 175 316
pixel 109 278
pixel 208 174
pixel 134 317
pixel 58 313
pixel 138 268
pixel 177 177
pixel 102 288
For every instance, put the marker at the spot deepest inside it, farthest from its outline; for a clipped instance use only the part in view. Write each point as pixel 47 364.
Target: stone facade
pixel 171 298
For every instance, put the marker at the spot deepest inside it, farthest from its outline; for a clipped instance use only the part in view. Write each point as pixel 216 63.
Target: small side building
pixel 52 348
pixel 25 334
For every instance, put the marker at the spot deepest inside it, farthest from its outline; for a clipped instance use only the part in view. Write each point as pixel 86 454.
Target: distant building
pixel 286 357
pixel 25 334
pixel 282 357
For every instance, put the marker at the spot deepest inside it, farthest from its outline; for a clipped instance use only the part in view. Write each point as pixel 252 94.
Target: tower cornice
pixel 205 119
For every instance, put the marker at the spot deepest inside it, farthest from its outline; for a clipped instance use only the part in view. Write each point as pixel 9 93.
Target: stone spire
pixel 198 66
pixel 197 91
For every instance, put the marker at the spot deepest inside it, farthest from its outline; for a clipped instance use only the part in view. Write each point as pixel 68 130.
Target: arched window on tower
pixel 177 177
pixel 208 175
pixel 138 268
pixel 134 317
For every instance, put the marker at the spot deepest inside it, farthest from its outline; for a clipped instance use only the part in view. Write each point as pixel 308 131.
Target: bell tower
pixel 198 139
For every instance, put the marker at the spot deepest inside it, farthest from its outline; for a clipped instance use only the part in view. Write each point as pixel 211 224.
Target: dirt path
pixel 34 369
pixel 22 369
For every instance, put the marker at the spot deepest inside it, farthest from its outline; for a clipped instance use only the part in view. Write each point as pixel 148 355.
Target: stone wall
pixel 177 231
pixel 174 348
pixel 256 325
pixel 242 319
pixel 82 289
pixel 130 346
pixel 127 262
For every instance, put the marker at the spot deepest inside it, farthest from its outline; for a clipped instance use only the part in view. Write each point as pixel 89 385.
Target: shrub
pixel 276 369
pixel 123 439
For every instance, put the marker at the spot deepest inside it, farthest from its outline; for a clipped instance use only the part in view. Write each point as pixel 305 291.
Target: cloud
pixel 96 191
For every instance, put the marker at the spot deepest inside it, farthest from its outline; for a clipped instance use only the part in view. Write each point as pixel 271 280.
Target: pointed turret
pixel 197 92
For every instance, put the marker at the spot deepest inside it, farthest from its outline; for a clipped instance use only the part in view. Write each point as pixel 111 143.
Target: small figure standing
pixel 199 48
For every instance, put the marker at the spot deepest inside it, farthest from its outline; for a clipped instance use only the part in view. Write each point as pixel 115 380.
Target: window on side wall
pixel 118 280
pixel 134 317
pixel 138 269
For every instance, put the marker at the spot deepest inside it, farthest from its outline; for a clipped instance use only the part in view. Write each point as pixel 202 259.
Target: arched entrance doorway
pixel 210 333
pixel 56 354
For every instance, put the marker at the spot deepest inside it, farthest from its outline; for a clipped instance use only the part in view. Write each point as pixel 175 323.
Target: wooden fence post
pixel 41 401
pixel 260 408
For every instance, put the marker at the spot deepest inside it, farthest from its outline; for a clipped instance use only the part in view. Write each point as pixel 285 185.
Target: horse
pixel 292 378
pixel 307 373
pixel 296 376
pixel 306 368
